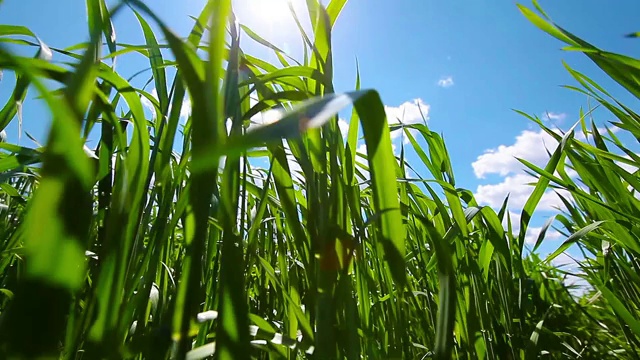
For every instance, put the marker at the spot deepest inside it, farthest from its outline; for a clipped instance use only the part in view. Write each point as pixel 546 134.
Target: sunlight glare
pixel 268 11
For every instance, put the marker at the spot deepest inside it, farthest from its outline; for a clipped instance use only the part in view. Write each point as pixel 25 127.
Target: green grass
pixel 134 250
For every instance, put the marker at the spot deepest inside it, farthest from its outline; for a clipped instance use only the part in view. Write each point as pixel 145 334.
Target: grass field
pixel 286 240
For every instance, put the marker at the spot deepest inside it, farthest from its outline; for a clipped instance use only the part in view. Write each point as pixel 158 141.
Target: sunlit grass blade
pixel 156 61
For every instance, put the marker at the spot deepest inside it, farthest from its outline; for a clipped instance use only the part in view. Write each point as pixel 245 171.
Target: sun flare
pixel 268 11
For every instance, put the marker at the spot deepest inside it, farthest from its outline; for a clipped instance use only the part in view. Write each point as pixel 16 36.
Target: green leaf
pixel 156 61
pixel 544 25
pixel 543 232
pixel 334 9
pixel 541 186
pixel 573 238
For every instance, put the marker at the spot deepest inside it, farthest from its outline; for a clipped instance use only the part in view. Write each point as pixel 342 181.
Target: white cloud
pixel 533 232
pixel 529 145
pixel 409 112
pixel 519 189
pixel 344 127
pixel 533 146
pixel 564 260
pixel 515 221
pixel 553 116
pixel 445 82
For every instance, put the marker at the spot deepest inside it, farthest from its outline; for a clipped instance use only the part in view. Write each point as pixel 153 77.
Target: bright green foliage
pixel 297 246
pixel 603 208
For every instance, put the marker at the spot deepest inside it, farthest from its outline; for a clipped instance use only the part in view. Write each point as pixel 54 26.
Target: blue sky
pixel 467 62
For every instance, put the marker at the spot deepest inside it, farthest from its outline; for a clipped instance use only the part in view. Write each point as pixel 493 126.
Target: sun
pixel 267 11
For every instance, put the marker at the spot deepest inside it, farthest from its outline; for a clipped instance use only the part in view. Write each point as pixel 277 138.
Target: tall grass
pixel 136 250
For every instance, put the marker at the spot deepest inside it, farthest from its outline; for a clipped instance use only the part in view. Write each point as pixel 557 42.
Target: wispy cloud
pixel 553 116
pixel 445 82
